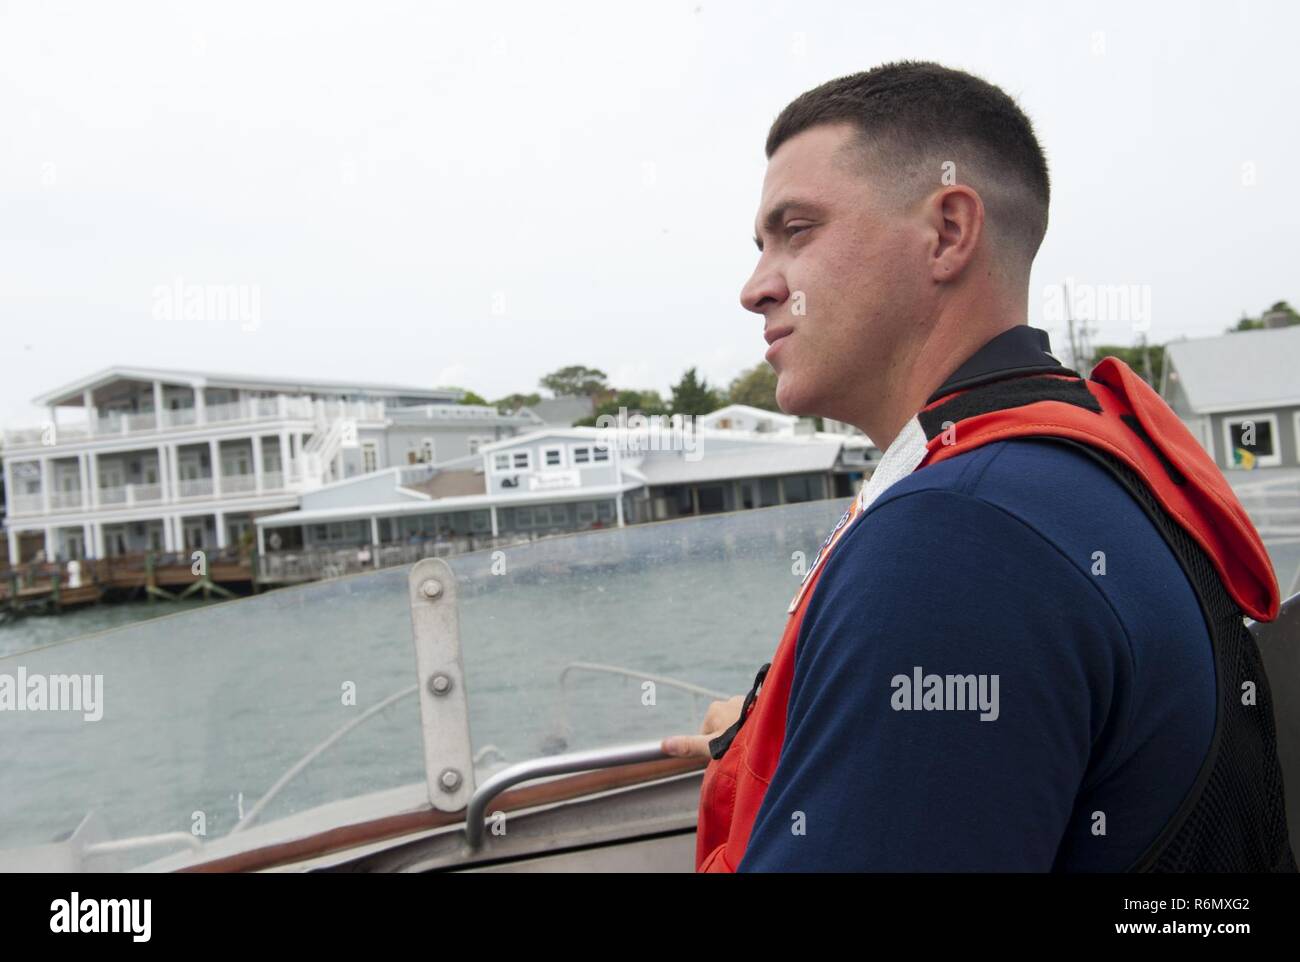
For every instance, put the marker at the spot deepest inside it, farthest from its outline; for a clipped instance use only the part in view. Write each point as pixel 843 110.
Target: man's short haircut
pixel 913 117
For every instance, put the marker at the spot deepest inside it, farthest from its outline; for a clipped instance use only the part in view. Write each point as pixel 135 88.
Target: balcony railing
pixel 63 500
pixel 179 418
pixel 195 488
pixel 238 483
pixel 116 423
pixel 128 494
pixel 26 504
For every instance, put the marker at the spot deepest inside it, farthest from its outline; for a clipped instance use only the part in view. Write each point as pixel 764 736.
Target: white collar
pixel 899 460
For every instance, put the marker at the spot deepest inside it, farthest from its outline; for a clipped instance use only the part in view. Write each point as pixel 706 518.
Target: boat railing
pixel 585 761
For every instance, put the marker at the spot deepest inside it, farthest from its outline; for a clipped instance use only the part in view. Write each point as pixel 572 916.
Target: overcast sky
pixel 475 194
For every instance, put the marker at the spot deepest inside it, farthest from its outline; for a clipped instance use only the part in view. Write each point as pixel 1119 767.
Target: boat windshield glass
pixel 188 721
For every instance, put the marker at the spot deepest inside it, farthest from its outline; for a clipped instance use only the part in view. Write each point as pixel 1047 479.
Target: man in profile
pixel 1004 658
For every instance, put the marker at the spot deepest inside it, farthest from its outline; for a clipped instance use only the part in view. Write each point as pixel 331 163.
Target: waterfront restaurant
pixel 554 481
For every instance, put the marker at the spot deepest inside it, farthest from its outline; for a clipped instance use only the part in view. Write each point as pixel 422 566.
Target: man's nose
pixel 765 288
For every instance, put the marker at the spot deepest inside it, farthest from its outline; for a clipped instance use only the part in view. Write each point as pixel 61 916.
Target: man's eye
pixel 793 229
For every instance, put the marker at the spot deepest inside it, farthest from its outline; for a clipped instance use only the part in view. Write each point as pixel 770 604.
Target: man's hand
pixel 720 716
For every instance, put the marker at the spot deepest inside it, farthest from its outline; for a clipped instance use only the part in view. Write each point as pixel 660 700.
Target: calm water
pixel 32 632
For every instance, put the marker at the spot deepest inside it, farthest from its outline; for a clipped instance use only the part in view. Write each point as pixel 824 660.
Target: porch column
pixel 97 527
pixel 374 530
pixel 214 458
pixel 158 405
pixel 87 540
pixel 83 482
pixel 220 519
pixel 13 547
pixel 92 469
pixel 257 463
pixel 46 478
pixel 51 550
pixel 92 413
pixel 164 474
pixel 174 473
pixel 10 489
pixel 284 455
pixel 261 539
pixel 169 534
pixel 200 406
pixel 492 510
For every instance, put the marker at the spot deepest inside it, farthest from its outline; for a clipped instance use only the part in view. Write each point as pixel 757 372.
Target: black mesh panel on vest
pixel 1234 817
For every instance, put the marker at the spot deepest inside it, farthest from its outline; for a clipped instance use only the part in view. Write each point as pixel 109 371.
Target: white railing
pixel 143 493
pixel 130 494
pixel 26 504
pixel 238 483
pixel 272 480
pixel 63 500
pixel 233 411
pixel 49 435
pixel 179 418
pixel 444 412
pixel 115 495
pixel 249 409
pixel 195 488
pixel 418 474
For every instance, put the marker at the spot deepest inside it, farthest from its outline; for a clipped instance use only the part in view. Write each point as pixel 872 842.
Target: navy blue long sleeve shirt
pixel 990 563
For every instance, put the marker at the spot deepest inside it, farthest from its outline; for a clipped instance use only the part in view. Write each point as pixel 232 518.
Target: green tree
pixel 1257 323
pixel 692 395
pixel 755 387
pixel 634 402
pixel 469 397
pixel 513 402
pixel 576 381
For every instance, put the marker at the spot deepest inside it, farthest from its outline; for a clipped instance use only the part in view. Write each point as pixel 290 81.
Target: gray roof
pixel 761 460
pixel 1240 371
pixel 562 411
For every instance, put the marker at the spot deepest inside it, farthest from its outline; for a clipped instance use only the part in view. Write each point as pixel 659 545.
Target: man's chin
pixel 791 399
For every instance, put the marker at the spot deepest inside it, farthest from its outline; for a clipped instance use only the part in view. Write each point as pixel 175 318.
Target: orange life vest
pixel 1120 415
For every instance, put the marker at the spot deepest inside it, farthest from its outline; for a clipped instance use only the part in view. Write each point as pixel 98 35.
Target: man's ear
pixel 956 216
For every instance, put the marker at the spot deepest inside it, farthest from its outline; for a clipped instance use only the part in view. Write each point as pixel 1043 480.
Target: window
pixel 369 456
pixel 797 490
pixel 553 457
pixel 426 450
pixel 586 512
pixel 582 455
pixel 477 441
pixel 480 521
pixel 1251 441
pixel 599 454
pixel 501 461
pixel 521 461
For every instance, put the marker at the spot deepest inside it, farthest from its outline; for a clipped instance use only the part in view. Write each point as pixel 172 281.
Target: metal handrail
pixel 312 755
pixel 596 758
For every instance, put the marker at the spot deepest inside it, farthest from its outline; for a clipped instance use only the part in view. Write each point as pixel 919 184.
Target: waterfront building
pixel 137 460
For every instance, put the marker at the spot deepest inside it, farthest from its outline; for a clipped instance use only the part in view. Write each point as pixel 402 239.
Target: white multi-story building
pixel 133 460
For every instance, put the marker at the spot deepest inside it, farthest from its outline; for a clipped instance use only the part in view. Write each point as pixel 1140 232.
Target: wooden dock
pixel 38 587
